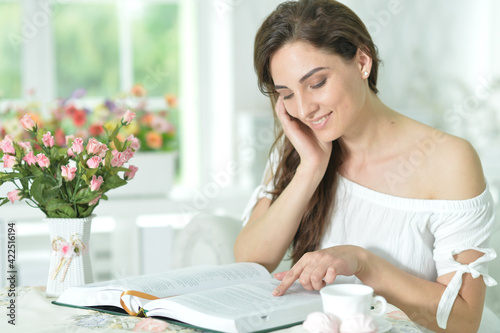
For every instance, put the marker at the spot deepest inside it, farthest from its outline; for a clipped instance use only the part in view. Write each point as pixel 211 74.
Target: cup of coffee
pixel 344 300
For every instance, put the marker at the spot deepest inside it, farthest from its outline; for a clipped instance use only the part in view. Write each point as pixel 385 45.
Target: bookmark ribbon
pixel 142 312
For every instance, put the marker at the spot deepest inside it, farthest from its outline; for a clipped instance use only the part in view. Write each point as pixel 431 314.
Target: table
pixel 35 314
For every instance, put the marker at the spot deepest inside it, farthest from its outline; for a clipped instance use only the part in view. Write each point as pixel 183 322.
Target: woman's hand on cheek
pixel 311 150
pixel 316 269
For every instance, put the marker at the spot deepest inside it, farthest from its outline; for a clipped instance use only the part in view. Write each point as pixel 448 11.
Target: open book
pixel 227 298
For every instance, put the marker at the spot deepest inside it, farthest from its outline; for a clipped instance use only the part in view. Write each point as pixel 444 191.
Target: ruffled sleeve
pixel 466 226
pixel 263 190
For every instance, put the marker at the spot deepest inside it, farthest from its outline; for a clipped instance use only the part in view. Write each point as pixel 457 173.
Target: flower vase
pixel 70 259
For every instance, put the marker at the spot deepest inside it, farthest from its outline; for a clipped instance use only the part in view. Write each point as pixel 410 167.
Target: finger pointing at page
pixel 291 276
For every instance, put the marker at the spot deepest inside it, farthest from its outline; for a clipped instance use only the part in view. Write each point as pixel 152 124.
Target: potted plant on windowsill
pixel 66 183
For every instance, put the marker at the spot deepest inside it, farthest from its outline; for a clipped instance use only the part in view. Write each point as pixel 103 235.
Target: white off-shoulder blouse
pixel 416 235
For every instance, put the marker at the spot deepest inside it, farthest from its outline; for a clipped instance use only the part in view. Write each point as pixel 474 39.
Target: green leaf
pixel 63 212
pixel 85 210
pixel 85 195
pixel 118 169
pixel 56 204
pixel 118 144
pixel 36 171
pixel 5 177
pixel 90 173
pixel 36 193
pixel 41 190
pixel 5 200
pixel 113 182
pixel 39 135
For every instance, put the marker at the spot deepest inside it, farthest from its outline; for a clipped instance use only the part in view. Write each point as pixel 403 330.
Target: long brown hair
pixel 331 27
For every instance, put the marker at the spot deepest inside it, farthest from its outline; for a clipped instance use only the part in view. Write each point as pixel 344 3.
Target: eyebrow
pixel 305 77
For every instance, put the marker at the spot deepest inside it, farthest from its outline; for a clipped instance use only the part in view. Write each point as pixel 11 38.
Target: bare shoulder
pixel 446 167
pixel 455 168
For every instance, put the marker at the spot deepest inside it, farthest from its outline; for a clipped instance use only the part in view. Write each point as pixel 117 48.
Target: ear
pixel 364 62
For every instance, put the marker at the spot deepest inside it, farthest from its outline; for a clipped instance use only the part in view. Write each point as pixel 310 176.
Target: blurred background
pixel 189 62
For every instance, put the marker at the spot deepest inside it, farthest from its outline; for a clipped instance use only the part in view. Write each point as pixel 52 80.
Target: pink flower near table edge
pixel 150 325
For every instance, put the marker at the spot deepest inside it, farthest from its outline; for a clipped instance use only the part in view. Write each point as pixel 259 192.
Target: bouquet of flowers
pixel 154 129
pixel 153 126
pixel 66 180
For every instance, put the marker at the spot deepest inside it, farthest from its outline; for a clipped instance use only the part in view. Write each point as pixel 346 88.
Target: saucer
pixel 383 325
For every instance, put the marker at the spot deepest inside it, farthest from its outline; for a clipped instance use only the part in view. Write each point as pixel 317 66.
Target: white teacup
pixel 344 300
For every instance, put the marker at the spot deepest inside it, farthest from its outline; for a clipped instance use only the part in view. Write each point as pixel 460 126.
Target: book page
pixel 244 307
pixel 169 283
pixel 192 279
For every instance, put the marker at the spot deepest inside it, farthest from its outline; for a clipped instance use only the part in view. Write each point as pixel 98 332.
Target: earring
pixel 366 73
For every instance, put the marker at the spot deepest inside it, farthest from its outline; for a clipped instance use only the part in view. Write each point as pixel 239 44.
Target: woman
pixel 359 191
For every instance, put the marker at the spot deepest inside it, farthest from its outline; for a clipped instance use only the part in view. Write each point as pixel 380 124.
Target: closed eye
pixel 316 86
pixel 319 85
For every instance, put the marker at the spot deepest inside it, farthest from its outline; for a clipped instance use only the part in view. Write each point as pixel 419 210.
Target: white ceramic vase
pixel 70 259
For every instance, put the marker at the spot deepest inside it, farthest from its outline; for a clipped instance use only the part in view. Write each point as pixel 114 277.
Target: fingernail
pixel 276 292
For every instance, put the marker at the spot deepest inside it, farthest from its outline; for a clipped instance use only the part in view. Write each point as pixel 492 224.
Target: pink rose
pixel 9 161
pixel 70 152
pixel 94 162
pixel 135 144
pixel 68 172
pixel 95 183
pixel 30 158
pixel 93 202
pixel 102 150
pixel 150 325
pixel 128 117
pixel 42 160
pixel 131 174
pixel 93 146
pixel 118 160
pixel 77 147
pixel 14 195
pixel 48 140
pixel 27 123
pixel 7 147
pixel 128 154
pixel 25 145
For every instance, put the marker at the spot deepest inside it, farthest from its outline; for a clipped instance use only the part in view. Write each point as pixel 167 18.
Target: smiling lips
pixel 321 122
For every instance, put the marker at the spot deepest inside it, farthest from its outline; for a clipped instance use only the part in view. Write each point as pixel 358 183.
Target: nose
pixel 306 107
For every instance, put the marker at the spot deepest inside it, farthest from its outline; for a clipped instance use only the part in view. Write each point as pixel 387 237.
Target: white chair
pixel 209 239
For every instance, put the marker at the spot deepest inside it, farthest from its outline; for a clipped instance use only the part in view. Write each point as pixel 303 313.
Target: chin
pixel 327 137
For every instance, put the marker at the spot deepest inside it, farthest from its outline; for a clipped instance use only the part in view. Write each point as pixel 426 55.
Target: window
pixel 155 44
pixel 10 66
pixel 104 47
pixel 87 49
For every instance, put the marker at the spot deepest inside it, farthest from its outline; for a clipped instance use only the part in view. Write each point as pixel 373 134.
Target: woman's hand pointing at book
pixel 319 268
